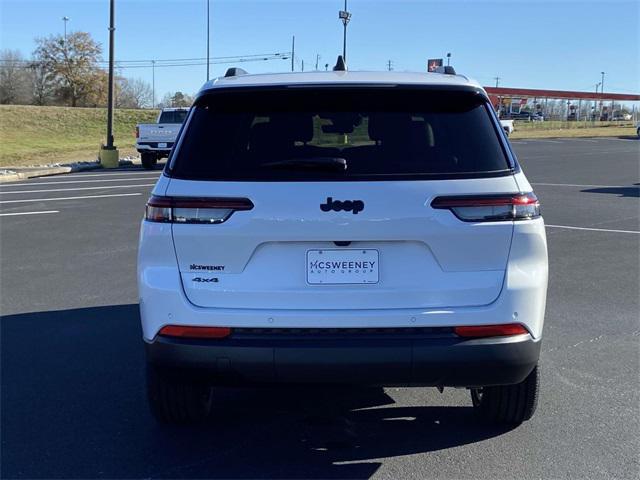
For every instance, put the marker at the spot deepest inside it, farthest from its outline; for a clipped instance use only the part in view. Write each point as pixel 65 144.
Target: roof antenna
pixel 340 65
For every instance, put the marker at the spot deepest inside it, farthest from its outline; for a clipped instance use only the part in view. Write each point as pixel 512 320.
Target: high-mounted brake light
pixel 183 331
pixel 193 210
pixel 478 331
pixel 490 208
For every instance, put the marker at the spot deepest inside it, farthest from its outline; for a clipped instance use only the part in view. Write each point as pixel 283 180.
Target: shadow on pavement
pixel 73 405
pixel 633 192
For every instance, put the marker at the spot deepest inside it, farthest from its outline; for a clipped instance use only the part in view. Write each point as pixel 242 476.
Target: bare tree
pixel 177 99
pixel 41 84
pixel 14 78
pixel 72 64
pixel 134 93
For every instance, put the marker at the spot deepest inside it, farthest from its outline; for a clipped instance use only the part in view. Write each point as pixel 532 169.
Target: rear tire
pixel 175 401
pixel 508 404
pixel 149 160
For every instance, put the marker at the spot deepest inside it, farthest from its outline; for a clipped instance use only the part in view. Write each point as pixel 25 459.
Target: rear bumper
pixel 400 358
pixel 152 147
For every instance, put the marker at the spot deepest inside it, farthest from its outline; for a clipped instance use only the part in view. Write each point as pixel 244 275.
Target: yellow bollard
pixel 109 158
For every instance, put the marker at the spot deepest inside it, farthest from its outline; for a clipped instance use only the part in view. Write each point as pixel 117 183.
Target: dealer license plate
pixel 344 266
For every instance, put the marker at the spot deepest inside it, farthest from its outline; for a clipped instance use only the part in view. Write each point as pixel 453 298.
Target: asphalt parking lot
pixel 73 402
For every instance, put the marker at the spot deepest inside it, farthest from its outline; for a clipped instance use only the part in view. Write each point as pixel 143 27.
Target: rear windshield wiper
pixel 314 163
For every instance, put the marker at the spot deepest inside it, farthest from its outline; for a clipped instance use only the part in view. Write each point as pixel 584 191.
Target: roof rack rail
pixel 340 66
pixel 446 69
pixel 235 72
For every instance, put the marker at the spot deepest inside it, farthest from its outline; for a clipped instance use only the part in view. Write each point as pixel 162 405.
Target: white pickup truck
pixel 154 140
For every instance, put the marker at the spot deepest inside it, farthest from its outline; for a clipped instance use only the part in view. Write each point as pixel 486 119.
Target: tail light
pixel 137 132
pixel 478 331
pixel 193 210
pixel 491 208
pixel 183 331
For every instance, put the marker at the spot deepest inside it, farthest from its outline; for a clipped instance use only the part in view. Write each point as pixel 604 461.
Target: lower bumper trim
pixel 432 359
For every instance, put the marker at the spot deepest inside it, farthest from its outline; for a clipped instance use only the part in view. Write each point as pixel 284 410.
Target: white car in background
pixel 508 126
pixel 333 228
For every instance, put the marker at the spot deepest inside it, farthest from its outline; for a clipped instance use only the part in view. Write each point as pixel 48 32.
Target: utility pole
pixel 65 19
pixel 153 83
pixel 389 65
pixel 303 64
pixel 317 59
pixel 208 7
pixel 602 92
pixel 448 58
pixel 345 16
pixel 109 155
pixel 293 52
pixel 497 79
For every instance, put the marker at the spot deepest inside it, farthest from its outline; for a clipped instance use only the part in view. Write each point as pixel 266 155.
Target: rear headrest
pixel 298 127
pixel 390 127
pixel 268 137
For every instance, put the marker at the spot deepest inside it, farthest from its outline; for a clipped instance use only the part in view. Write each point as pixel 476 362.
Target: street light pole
pixel 345 16
pixel 109 154
pixel 208 8
pixel 153 83
pixel 112 29
pixel 65 19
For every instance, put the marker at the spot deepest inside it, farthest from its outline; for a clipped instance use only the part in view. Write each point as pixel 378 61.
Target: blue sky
pixel 559 44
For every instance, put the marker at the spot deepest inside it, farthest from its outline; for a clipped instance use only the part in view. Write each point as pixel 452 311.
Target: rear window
pixel 334 133
pixel 175 116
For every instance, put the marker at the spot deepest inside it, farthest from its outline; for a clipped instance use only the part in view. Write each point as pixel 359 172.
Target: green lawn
pixel 31 135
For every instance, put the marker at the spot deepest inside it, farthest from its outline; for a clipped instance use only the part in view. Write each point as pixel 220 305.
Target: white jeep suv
pixel 342 228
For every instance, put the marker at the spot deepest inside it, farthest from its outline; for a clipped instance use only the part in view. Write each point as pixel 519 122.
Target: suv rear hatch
pixel 321 198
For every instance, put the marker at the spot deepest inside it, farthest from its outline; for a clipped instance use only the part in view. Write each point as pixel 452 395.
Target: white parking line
pixel 588 186
pixel 28 213
pixel 593 229
pixel 620 139
pixel 69 198
pixel 105 187
pixel 117 173
pixel 136 179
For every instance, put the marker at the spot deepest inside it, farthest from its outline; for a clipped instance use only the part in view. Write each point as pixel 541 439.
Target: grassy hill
pixel 31 135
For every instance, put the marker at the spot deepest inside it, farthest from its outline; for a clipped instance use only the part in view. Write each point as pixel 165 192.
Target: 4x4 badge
pixel 354 206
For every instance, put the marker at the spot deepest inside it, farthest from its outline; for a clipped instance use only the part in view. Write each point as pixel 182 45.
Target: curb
pixel 33 172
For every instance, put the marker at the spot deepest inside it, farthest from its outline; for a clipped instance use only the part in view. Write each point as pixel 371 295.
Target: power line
pixel 170 62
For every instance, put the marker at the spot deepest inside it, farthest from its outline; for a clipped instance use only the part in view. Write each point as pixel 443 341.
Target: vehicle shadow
pixel 633 191
pixel 73 406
